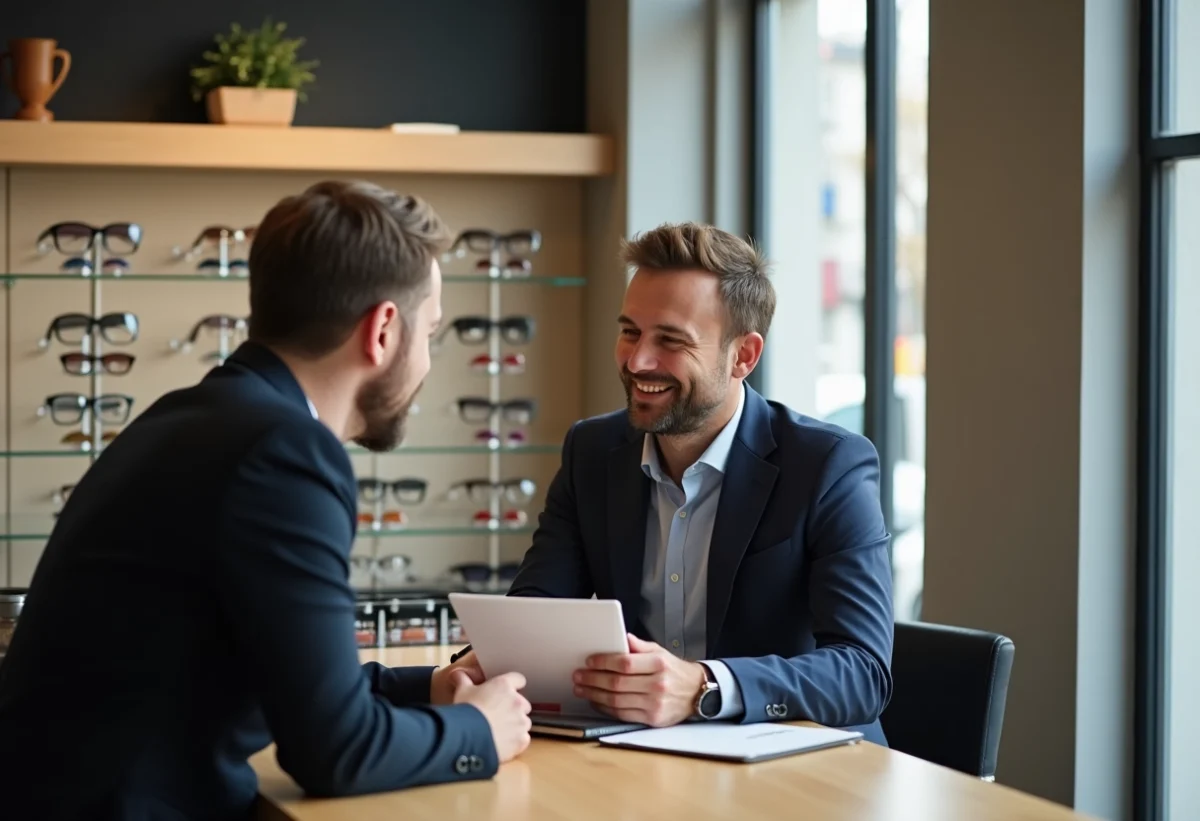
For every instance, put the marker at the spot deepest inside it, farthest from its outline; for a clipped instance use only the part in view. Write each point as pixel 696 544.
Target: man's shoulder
pixel 603 432
pixel 802 437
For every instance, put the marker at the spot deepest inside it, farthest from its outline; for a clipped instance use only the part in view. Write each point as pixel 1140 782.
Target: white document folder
pixel 744 743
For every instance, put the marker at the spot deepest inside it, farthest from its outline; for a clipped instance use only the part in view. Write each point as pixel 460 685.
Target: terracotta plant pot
pixel 232 105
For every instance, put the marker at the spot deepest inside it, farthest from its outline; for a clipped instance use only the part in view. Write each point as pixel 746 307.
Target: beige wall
pixel 1031 353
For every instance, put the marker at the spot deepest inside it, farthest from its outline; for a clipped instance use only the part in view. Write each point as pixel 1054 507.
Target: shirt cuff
pixel 731 694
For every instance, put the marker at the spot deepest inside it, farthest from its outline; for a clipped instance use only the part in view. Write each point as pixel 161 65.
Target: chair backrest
pixel 950 688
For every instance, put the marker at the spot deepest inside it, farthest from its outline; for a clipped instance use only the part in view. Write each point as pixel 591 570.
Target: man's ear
pixel 380 322
pixel 747 351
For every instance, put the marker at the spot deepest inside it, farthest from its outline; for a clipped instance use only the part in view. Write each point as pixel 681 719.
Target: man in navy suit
pixel 745 542
pixel 193 605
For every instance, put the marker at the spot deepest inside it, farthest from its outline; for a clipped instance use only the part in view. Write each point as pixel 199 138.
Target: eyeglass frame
pixel 135 237
pixel 102 360
pixel 129 321
pixel 397 487
pixel 85 404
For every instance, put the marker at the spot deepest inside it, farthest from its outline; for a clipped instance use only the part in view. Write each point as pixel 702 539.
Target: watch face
pixel 710 703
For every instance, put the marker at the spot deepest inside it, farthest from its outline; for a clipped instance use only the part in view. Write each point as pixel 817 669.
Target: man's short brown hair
pixel 321 259
pixel 746 290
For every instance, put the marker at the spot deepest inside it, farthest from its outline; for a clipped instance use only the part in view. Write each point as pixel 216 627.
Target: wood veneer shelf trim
pixel 261 148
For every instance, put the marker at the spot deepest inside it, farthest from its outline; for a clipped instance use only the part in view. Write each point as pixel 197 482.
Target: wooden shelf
pixel 259 148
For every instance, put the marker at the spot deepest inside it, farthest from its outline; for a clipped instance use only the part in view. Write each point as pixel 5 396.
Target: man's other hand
pixel 441 685
pixel 647 685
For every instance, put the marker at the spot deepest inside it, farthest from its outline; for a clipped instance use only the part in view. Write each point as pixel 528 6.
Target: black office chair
pixel 950 688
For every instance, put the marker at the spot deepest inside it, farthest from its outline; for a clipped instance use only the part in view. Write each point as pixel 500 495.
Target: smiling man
pixel 745 542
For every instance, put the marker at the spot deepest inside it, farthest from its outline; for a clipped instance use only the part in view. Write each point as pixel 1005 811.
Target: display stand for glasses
pixel 91 345
pixel 494 378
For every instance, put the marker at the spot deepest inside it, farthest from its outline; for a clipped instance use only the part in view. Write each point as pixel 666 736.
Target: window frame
pixel 1158 152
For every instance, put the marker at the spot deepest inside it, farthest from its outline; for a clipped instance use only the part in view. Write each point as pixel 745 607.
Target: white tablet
pixel 544 639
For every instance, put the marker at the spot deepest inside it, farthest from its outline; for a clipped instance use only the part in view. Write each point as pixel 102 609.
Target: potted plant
pixel 253 77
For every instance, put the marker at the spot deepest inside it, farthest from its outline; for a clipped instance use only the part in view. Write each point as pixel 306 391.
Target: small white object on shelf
pixel 423 128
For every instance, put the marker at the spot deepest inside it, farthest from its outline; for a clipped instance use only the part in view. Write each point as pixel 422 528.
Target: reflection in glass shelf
pixel 551 281
pixel 17 454
pixel 33 527
pixel 406 450
pixel 423 450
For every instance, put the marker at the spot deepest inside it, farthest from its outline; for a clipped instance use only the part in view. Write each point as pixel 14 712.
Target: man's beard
pixel 385 418
pixel 686 414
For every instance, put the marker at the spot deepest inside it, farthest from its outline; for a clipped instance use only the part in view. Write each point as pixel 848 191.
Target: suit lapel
pixel 749 480
pixel 628 503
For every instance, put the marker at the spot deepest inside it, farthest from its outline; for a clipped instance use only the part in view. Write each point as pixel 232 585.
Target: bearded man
pixel 745 542
pixel 209 545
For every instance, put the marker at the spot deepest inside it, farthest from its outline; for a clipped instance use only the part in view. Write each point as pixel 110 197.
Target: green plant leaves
pixel 255 58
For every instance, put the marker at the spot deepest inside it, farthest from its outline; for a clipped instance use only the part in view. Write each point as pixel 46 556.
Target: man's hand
pixel 506 710
pixel 441 684
pixel 647 685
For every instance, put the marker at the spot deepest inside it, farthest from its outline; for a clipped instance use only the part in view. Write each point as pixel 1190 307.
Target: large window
pixel 844 218
pixel 1168 717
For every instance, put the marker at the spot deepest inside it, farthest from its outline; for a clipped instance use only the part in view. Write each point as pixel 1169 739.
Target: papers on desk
pixel 744 743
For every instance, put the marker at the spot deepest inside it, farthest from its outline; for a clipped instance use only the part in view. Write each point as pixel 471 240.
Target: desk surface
pixel 583 780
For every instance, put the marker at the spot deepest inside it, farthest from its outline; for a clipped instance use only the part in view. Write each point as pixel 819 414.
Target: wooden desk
pixel 581 780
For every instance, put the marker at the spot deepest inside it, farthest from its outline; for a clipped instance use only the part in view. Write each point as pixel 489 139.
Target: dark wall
pixel 484 64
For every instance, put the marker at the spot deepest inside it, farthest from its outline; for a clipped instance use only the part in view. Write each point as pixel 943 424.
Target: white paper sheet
pixel 734 742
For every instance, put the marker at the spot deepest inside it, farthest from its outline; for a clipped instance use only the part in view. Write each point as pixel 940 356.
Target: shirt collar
pixel 715 455
pixel 311 408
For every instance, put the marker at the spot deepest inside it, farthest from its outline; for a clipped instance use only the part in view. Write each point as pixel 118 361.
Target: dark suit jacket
pixel 799 600
pixel 193 605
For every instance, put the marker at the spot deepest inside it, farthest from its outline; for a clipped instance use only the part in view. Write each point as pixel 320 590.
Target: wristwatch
pixel 708 700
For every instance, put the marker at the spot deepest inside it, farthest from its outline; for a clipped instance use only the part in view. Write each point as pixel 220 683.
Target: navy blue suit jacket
pixel 799 599
pixel 192 606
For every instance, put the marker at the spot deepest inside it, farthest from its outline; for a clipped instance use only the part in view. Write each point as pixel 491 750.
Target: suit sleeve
pixel 281 574
pixel 846 680
pixel 399 685
pixel 555 565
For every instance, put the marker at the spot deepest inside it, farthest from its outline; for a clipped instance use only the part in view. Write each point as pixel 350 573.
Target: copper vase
pixel 30 74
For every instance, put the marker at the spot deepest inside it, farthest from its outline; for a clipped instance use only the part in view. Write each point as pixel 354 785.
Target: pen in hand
pixel 456 656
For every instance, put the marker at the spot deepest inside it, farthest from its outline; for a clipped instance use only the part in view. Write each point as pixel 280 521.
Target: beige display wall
pixel 172 206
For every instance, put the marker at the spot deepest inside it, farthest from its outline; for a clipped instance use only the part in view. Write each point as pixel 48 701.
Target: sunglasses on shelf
pixel 474 330
pixel 481 409
pixel 215 235
pixel 509 518
pixel 493 439
pixel 472 572
pixel 83 266
pixel 514 267
pixel 78 238
pixel 69 408
pixel 481 490
pixel 208 266
pixel 81 364
pixel 483 241
pixel 394 518
pixel 224 323
pixel 70 329
pixel 512 363
pixel 62 493
pixel 406 491
pixel 84 440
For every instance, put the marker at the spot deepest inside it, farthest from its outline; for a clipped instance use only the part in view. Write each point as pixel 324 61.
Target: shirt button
pixel 674 577
pixel 683 514
pixel 675 643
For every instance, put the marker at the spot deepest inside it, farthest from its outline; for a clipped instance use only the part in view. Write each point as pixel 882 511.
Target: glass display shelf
pixel 552 281
pixel 414 450
pixel 18 527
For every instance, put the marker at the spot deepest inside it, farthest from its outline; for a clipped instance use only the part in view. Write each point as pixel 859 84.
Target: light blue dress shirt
pixel 679 526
